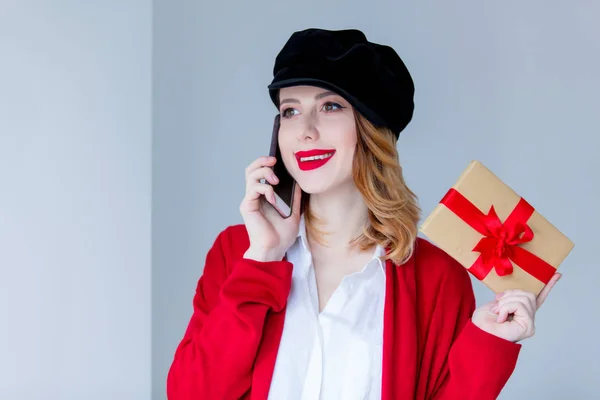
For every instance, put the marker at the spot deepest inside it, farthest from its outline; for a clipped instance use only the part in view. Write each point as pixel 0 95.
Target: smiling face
pixel 317 138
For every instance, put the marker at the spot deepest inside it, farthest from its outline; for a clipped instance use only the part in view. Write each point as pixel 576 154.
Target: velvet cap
pixel 370 76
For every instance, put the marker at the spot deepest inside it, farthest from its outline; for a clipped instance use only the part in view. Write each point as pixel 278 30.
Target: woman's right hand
pixel 270 234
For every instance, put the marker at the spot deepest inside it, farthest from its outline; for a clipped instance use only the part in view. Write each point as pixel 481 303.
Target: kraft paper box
pixel 494 233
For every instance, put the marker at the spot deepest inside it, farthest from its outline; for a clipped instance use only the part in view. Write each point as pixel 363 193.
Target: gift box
pixel 497 235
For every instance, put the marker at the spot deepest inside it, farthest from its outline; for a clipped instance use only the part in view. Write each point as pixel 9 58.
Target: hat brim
pixel 357 104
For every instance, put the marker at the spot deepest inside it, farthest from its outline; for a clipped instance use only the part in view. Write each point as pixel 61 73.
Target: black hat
pixel 370 76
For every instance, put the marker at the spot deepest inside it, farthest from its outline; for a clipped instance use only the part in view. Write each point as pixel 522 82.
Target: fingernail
pixel 275 179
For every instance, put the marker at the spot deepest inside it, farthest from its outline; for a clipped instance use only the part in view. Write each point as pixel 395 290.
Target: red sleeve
pixel 478 364
pixel 214 360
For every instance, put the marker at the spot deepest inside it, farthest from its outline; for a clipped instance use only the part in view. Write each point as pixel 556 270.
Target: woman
pixel 342 300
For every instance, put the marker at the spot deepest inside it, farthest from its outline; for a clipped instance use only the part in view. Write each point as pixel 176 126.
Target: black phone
pixel 284 190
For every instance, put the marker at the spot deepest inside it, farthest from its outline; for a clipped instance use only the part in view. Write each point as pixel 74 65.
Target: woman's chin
pixel 313 187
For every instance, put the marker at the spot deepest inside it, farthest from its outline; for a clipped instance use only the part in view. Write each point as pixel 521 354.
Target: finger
pixel 546 290
pixel 512 292
pixel 262 173
pixel 518 292
pixel 527 301
pixel 492 306
pixel 516 307
pixel 264 161
pixel 257 189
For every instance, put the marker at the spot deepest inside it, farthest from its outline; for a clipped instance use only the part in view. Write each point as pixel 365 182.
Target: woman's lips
pixel 313 159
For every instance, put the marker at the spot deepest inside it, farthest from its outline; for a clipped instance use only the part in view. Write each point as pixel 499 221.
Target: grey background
pixel 75 200
pixel 513 84
pixel 125 128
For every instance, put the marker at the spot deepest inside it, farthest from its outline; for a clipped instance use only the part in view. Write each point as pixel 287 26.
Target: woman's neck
pixel 342 215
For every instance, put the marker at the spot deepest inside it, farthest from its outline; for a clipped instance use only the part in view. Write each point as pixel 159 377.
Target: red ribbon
pixel 501 241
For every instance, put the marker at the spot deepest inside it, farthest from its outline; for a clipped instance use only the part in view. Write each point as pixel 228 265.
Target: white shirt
pixel 335 354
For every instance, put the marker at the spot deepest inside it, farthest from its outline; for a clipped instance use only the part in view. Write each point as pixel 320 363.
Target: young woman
pixel 341 300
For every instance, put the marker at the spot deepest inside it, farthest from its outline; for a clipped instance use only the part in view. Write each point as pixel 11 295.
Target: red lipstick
pixel 313 159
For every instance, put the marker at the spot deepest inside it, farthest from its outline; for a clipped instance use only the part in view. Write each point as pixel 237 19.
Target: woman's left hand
pixel 512 315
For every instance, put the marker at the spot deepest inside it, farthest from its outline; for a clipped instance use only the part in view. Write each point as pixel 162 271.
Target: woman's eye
pixel 287 112
pixel 330 106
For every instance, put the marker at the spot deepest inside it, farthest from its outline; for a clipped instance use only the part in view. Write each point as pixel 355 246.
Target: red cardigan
pixel 431 349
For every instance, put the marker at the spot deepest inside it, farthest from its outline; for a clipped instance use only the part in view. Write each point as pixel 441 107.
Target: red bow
pixel 501 241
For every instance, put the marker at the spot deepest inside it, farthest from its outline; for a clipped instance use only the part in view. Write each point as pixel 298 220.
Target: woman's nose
pixel 309 130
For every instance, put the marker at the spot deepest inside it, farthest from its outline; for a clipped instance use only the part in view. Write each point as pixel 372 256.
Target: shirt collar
pixel 302 233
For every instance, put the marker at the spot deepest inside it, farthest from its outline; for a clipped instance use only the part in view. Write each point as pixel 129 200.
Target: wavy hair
pixel 393 210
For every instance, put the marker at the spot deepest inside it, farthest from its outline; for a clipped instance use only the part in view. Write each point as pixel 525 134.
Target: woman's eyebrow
pixel 317 97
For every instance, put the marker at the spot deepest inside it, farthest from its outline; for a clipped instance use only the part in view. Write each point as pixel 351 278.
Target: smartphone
pixel 284 190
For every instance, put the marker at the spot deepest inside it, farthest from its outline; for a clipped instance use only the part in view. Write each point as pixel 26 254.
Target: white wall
pixel 75 201
pixel 512 83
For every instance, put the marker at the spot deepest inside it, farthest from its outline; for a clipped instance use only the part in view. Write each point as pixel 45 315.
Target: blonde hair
pixel 392 207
